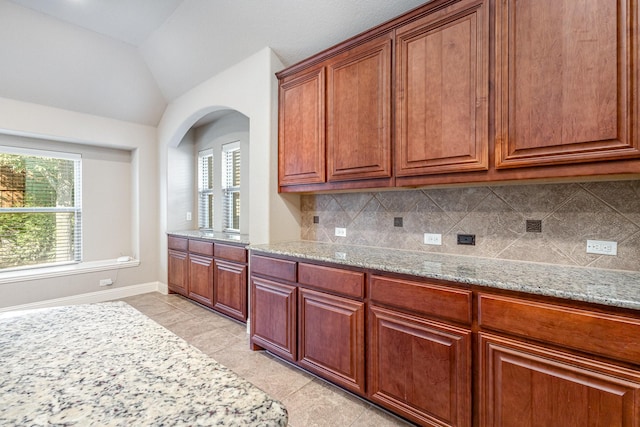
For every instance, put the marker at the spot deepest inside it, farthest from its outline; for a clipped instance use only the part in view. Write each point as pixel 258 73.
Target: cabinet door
pixel 230 290
pixel 201 279
pixel 301 139
pixel 522 385
pixel 331 338
pixel 178 280
pixel 566 84
pixel 419 368
pixel 442 86
pixel 359 112
pixel 274 317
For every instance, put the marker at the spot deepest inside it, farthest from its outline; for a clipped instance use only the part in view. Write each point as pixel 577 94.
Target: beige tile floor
pixel 310 401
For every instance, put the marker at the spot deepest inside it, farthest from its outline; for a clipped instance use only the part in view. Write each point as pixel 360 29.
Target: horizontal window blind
pixel 40 208
pixel 231 187
pixel 205 189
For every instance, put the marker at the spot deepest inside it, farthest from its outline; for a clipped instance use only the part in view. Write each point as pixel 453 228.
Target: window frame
pixel 206 196
pixel 228 191
pixel 76 209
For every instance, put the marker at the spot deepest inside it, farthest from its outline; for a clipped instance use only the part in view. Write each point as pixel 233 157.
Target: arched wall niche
pixel 251 88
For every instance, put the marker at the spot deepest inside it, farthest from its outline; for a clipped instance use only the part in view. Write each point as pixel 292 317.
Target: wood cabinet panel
pixel 335 280
pixel 200 247
pixel 442 91
pixel 301 141
pixel 423 298
pixel 201 279
pixel 230 252
pixel 274 317
pixel 178 272
pixel 359 112
pixel 566 83
pixel 608 335
pixel 230 290
pixel 331 338
pixel 178 243
pixel 529 386
pixel 419 368
pixel 273 267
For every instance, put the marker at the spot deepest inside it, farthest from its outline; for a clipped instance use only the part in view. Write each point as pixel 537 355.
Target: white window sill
pixel 65 270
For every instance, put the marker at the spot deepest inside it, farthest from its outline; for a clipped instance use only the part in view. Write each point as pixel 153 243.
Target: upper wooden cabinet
pixel 301 149
pixel 467 91
pixel 566 81
pixel 351 138
pixel 359 112
pixel 442 88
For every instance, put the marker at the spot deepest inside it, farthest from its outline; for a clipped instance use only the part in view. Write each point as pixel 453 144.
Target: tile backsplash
pixel 570 214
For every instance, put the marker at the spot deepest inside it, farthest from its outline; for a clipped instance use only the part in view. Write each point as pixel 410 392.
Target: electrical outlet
pixel 432 239
pixel 467 239
pixel 106 282
pixel 188 216
pixel 341 232
pixel 602 247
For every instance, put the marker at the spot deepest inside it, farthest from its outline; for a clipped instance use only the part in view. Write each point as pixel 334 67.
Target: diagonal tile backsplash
pixel 570 214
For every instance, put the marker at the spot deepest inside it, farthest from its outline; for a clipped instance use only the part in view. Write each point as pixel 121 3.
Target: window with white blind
pixel 231 187
pixel 40 208
pixel 205 189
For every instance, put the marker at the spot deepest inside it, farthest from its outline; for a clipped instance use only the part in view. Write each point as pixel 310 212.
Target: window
pixel 205 189
pixel 231 187
pixel 221 187
pixel 40 208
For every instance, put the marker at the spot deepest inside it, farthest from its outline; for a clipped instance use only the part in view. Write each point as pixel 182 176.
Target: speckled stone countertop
pixel 609 287
pixel 240 239
pixel 108 365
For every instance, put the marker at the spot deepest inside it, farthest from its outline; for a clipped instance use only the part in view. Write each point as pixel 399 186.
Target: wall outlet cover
pixel 467 239
pixel 432 239
pixel 602 247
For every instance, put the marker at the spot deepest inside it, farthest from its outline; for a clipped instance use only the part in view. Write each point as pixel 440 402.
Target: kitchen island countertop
pixel 609 287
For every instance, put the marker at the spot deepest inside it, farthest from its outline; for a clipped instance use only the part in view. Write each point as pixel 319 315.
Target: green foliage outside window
pixel 36 237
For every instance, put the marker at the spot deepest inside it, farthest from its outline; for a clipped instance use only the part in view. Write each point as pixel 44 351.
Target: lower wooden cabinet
pixel 444 354
pixel 212 274
pixel 524 385
pixel 230 290
pixel 178 274
pixel 419 368
pixel 331 338
pixel 201 279
pixel 274 317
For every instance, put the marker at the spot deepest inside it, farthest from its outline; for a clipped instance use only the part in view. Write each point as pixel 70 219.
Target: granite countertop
pixel 610 287
pixel 219 236
pixel 118 369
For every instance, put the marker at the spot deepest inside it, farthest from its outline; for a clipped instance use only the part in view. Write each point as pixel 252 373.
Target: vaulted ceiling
pixel 126 59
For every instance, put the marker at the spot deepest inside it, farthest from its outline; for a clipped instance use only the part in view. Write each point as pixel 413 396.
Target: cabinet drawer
pixel 428 299
pixel 273 267
pixel 608 335
pixel 178 243
pixel 200 247
pixel 229 252
pixel 349 283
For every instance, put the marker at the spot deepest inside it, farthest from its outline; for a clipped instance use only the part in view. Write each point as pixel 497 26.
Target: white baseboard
pixel 163 288
pixel 91 297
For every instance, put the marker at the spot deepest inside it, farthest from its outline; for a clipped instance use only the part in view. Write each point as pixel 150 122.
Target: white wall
pixel 139 209
pixel 181 178
pixel 249 87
